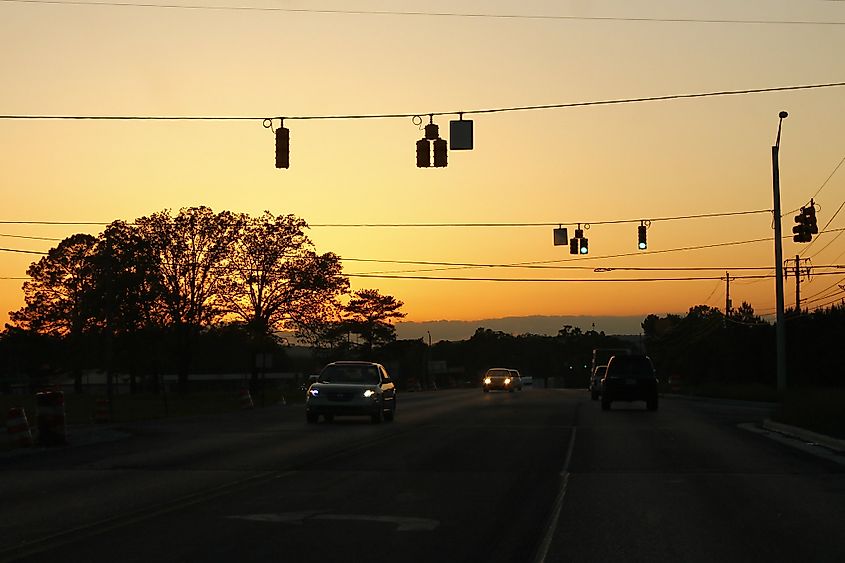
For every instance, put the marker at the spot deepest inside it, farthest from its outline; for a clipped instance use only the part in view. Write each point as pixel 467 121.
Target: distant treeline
pixel 199 291
pixel 707 346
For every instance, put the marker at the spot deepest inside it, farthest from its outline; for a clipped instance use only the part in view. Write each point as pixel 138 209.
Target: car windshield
pixel 361 375
pixel 498 373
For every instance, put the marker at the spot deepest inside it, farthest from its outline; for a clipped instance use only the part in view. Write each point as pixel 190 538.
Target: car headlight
pixel 314 392
pixel 487 381
pixel 369 393
pixel 507 381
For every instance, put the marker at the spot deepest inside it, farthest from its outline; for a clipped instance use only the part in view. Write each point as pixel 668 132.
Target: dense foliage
pixel 144 298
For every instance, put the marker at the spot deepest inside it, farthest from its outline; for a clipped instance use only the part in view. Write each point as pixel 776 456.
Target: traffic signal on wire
pixel 642 243
pixel 805 224
pixel 810 219
pixel 440 150
pixel 574 248
pixel 423 154
pixel 282 147
pixel 582 246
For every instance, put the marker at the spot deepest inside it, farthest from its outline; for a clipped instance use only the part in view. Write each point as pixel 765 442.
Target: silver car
pixel 351 388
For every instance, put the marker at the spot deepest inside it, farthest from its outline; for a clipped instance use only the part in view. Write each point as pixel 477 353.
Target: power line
pixel 442 225
pixel 550 267
pixel 815 195
pixel 560 280
pixel 442 113
pixel 22 251
pixel 474 15
pixel 30 238
pixel 537 224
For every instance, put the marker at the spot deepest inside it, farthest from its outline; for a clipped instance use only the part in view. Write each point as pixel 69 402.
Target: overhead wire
pixel 474 15
pixel 442 224
pixel 428 113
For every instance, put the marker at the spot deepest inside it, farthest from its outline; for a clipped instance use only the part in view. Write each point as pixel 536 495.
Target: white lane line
pixel 551 528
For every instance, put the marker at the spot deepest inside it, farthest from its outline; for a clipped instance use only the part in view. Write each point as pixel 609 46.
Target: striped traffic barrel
pixel 51 418
pixel 18 427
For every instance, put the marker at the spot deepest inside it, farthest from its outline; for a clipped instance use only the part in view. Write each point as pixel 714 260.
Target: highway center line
pixel 551 527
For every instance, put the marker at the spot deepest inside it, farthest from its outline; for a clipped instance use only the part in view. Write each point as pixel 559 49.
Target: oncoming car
pixel 351 388
pixel 500 378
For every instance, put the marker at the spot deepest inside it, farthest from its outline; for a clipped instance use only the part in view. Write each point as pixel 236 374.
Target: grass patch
pixel 820 410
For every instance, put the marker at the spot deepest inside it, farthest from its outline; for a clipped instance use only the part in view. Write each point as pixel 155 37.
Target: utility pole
pixel 798 273
pixel 728 303
pixel 780 326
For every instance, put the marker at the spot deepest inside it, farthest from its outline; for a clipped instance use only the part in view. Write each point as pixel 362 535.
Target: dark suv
pixel 629 378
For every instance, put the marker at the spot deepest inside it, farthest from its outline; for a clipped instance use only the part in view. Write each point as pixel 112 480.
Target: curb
pixel 829 442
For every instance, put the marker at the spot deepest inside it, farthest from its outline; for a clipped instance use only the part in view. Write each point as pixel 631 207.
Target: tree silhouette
pixel 191 249
pixel 368 314
pixel 275 280
pixel 59 296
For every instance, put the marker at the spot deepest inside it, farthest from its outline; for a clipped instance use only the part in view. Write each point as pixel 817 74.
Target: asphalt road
pixel 541 475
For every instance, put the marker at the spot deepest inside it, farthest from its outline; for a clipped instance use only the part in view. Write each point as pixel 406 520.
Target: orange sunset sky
pixel 589 164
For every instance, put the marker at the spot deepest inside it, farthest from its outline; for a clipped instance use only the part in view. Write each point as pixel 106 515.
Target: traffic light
pixel 423 154
pixel 573 246
pixel 583 248
pixel 440 150
pixel 810 219
pixel 642 243
pixel 282 147
pixel 802 228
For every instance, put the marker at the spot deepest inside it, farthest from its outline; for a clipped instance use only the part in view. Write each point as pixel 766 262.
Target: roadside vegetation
pixel 199 292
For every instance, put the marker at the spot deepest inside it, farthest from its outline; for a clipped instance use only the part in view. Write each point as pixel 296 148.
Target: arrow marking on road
pixel 403 523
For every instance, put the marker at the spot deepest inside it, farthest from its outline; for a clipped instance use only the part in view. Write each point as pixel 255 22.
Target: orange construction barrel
pixel 51 418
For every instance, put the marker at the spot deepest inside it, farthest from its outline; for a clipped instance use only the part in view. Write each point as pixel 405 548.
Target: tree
pixel 368 314
pixel 128 293
pixel 59 296
pixel 275 280
pixel 190 249
pixel 745 314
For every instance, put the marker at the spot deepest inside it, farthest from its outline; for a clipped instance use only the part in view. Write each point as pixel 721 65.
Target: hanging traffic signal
pixel 440 150
pixel 642 243
pixel 423 154
pixel 810 219
pixel 282 147
pixel 802 227
pixel 573 246
pixel 582 246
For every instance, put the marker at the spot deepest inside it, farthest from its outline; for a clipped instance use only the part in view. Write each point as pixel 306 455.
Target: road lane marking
pixel 551 527
pixel 403 523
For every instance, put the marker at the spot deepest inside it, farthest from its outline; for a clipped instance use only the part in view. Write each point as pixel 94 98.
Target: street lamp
pixel 780 327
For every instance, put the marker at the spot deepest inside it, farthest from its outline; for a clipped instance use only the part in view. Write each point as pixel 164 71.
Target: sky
pixel 591 165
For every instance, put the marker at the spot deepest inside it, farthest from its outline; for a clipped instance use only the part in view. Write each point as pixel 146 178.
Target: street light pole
pixel 780 327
